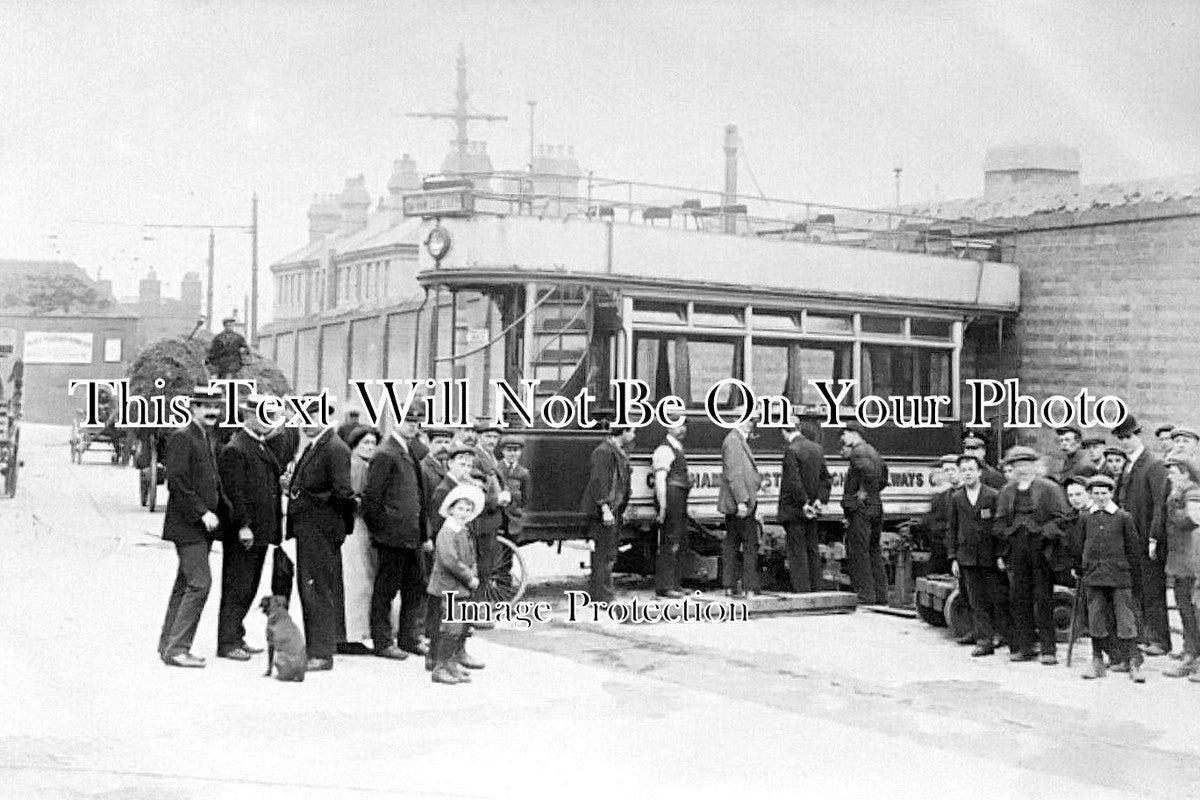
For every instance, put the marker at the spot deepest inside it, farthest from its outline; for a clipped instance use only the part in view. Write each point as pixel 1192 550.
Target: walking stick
pixel 1074 618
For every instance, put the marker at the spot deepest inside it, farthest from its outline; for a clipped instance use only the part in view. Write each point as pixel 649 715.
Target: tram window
pixel 890 326
pixel 785 368
pixel 932 329
pixel 687 367
pixel 764 320
pixel 718 316
pixel 826 323
pixel 894 371
pixel 659 313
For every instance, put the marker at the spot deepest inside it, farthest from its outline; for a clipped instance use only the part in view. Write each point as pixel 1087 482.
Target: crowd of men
pixel 312 486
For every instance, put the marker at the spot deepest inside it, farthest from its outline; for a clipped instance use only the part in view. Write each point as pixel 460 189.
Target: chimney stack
pixel 730 197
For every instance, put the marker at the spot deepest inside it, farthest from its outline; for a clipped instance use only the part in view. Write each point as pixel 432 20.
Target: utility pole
pixel 532 105
pixel 212 260
pixel 729 199
pixel 897 170
pixel 252 312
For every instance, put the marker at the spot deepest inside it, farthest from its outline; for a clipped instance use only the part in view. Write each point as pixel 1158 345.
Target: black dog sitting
pixel 285 642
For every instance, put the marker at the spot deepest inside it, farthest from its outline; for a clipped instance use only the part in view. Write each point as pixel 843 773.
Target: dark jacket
pixel 433 470
pixel 321 499
pixel 250 477
pixel 1179 534
pixel 283 444
pixel 485 470
pixel 516 480
pixel 1075 465
pixel 194 485
pixel 866 477
pixel 1143 494
pixel 969 536
pixel 805 478
pixel 454 562
pixel 1044 528
pixel 937 522
pixel 435 520
pixel 992 477
pixel 393 501
pixel 1110 549
pixel 609 482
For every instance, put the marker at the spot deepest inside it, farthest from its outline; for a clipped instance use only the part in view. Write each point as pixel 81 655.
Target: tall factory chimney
pixel 730 196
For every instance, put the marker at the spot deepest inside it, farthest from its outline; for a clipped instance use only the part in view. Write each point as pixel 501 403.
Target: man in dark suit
pixel 489 523
pixel 671 488
pixel 253 521
pixel 971 546
pixel 321 509
pixel 866 477
pixel 804 487
pixel 604 500
pixel 1143 492
pixel 1076 462
pixel 191 523
pixel 514 477
pixel 738 501
pixel 394 510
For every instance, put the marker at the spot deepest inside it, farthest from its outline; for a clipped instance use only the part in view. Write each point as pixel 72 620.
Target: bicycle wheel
pixel 508 580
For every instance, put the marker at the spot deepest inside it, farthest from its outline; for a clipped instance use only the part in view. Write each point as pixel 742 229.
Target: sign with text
pixel 445 203
pixel 58 347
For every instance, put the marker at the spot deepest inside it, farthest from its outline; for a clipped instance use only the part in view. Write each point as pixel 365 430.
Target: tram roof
pixel 494 248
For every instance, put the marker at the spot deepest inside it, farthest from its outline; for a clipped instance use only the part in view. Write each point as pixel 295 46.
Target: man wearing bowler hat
pixel 866 477
pixel 254 520
pixel 1143 493
pixel 321 506
pixel 1030 522
pixel 191 523
pixel 395 512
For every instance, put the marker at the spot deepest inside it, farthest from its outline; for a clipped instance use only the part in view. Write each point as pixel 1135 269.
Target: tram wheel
pixel 509 578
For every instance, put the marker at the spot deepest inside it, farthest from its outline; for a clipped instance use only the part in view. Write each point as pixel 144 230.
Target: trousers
pixel 1031 579
pixel 990 613
pixel 604 558
pixel 1184 595
pixel 319 571
pixel 399 570
pixel 671 539
pixel 1110 612
pixel 804 555
pixel 864 558
pixel 1153 625
pixel 739 552
pixel 241 570
pixel 193 580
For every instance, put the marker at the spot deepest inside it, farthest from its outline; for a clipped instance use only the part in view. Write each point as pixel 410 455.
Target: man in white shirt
pixel 671 487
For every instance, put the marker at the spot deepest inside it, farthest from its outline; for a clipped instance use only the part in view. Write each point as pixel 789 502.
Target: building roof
pixel 1183 189
pixel 382 230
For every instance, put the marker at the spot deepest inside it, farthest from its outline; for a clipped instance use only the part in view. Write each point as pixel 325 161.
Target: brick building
pixel 1108 281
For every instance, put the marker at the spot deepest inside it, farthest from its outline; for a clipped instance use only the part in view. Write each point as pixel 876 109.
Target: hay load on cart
pixel 175 366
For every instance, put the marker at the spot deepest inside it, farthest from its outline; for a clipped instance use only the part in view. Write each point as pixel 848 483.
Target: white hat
pixel 468 491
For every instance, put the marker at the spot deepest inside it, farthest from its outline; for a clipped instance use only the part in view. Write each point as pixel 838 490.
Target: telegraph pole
pixel 212 260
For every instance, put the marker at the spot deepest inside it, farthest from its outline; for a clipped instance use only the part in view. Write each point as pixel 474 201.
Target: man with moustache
pixel 671 488
pixel 1075 463
pixel 433 465
pixel 1143 493
pixel 321 508
pixel 191 524
pixel 394 510
pixel 253 521
pixel 804 486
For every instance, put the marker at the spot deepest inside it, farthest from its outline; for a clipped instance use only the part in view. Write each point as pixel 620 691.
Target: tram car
pixel 590 293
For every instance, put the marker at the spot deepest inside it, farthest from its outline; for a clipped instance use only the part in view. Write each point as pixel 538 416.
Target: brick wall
pixel 1113 307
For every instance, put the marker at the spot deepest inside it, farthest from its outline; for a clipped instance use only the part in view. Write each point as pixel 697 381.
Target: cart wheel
pixel 152 490
pixel 508 579
pixel 958 614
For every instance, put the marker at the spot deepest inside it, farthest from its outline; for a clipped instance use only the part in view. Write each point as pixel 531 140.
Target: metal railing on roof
pixel 551 195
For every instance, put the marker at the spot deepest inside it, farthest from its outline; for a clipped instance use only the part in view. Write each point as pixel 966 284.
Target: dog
pixel 285 643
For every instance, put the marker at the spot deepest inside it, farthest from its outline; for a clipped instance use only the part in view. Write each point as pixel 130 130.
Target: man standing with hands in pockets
pixel 738 501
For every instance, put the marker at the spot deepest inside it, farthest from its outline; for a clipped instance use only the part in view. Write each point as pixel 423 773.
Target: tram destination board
pixel 442 203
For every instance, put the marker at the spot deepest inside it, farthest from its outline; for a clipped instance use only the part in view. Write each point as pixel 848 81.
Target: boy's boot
pixel 1135 661
pixel 464 658
pixel 1097 668
pixel 443 672
pixel 1185 667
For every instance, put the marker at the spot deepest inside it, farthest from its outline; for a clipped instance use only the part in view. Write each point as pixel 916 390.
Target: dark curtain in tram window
pixel 794 388
pixel 599 361
pixel 662 369
pixel 683 370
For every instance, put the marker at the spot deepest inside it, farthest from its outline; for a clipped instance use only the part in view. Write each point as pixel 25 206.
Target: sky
pixel 150 112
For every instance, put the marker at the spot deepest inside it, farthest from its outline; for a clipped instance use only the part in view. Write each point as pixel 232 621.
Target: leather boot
pixel 442 671
pixel 465 659
pixel 1096 671
pixel 1184 668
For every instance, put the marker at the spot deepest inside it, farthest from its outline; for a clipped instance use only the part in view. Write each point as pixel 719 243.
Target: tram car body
pixel 578 295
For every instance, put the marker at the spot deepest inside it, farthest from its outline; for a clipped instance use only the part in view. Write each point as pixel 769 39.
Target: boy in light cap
pixel 454 571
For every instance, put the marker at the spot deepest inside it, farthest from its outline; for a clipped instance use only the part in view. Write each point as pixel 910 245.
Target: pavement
pixel 846 705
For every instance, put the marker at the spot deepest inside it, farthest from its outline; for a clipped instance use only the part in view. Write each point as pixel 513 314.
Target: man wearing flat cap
pixel 975 444
pixel 1184 476
pixel 1185 443
pixel 1030 521
pixel 604 500
pixel 227 350
pixel 191 523
pixel 1143 492
pixel 866 477
pixel 489 523
pixel 936 523
pixel 1163 436
pixel 1093 448
pixel 394 510
pixel 1075 462
pixel 254 520
pixel 514 477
